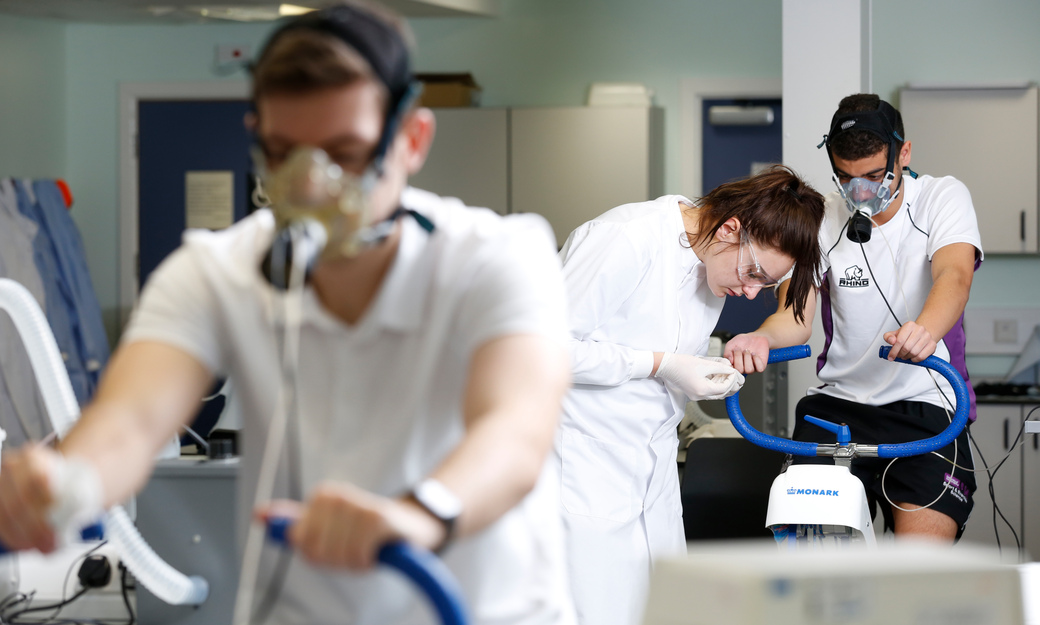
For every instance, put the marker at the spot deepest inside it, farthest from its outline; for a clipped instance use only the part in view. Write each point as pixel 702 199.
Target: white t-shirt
pixel 935 212
pixel 380 402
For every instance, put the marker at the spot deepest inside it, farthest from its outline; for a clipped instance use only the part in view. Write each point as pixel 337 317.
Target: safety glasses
pixel 749 270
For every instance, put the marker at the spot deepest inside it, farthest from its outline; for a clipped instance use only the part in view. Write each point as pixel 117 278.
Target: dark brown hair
pixel 301 58
pixel 856 144
pixel 777 209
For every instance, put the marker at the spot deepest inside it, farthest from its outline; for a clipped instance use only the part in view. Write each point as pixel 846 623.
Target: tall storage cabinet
pixel 572 164
pixel 469 158
pixel 566 164
pixel 988 139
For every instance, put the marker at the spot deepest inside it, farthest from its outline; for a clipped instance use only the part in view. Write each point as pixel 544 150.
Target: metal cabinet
pixel 566 164
pixel 572 164
pixel 994 432
pixel 987 138
pixel 469 158
pixel 1031 486
pixel 1017 483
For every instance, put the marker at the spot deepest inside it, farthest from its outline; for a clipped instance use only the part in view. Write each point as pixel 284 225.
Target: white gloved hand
pixel 76 487
pixel 700 377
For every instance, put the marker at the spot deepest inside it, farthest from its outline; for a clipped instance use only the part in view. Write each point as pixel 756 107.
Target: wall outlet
pixel 1005 331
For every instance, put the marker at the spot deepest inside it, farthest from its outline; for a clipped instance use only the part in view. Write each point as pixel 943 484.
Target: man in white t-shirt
pixel 418 372
pixel 899 252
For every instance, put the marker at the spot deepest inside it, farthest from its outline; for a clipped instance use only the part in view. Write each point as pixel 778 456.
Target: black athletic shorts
pixel 918 479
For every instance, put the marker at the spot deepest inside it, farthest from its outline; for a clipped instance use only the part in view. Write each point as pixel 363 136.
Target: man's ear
pixel 415 138
pixel 904 154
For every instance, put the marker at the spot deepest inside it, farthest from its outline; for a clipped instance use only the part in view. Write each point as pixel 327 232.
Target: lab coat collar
pixel 687 257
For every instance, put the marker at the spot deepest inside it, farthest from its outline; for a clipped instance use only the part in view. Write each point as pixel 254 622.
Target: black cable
pixel 54 606
pixel 990 474
pixel 64 586
pixel 1014 444
pixel 993 498
pixel 124 584
pixel 878 286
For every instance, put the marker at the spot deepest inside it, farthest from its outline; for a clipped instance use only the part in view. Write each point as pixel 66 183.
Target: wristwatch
pixel 441 503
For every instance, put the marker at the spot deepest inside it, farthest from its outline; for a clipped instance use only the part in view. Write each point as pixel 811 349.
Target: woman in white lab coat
pixel 646 284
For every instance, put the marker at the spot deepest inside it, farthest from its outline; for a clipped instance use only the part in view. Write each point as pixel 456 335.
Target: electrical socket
pixel 1005 331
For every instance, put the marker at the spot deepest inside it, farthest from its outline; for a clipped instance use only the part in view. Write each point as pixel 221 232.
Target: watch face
pixel 438 499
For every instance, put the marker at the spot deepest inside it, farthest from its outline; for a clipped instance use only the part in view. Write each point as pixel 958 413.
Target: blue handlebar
pixel 91 532
pixel 419 565
pixel 913 448
pixel 775 443
pixel 960 416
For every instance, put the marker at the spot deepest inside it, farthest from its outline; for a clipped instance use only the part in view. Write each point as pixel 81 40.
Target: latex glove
pixel 700 377
pixel 45 499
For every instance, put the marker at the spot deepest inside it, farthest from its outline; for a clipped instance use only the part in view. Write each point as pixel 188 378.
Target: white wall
pixel 59 82
pixel 32 98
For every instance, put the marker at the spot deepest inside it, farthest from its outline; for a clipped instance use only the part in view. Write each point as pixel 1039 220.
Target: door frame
pixel 130 95
pixel 692 94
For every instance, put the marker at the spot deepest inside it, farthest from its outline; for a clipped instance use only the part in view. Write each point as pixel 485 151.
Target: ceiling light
pixel 292 9
pixel 261 13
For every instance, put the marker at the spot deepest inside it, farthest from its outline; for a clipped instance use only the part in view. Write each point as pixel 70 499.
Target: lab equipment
pixel 420 566
pixel 63 411
pixel 824 504
pixel 909 583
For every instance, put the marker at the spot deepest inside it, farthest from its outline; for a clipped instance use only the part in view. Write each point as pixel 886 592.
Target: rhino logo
pixel 854 278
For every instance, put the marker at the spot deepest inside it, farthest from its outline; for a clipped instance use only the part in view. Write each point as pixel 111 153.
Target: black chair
pixel 725 488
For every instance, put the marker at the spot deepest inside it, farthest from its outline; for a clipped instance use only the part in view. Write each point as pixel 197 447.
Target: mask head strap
pixel 382 47
pixel 880 122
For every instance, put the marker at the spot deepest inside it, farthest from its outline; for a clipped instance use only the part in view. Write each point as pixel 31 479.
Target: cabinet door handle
pixel 1035 445
pixel 1022 226
pixel 1005 434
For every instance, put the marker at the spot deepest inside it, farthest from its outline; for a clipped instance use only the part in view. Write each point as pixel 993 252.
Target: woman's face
pixel 738 266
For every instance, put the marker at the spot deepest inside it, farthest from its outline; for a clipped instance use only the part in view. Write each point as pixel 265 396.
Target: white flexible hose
pixel 164 581
pixel 160 578
pixel 44 356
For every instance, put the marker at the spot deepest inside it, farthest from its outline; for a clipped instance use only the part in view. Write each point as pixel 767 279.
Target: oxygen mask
pixel 320 210
pixel 866 196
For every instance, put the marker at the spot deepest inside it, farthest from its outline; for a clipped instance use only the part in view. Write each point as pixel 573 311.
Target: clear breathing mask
pixel 866 197
pixel 312 193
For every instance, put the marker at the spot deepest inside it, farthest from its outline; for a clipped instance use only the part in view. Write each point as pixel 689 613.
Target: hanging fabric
pixel 41 247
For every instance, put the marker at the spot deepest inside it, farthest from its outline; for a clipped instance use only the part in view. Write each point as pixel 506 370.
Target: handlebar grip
pixel 423 568
pixel 960 416
pixel 90 532
pixel 793 352
pixel 775 443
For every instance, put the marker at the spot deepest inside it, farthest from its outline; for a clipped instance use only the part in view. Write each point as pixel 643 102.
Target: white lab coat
pixel 634 287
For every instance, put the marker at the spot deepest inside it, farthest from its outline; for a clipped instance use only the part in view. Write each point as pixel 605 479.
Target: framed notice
pixel 209 199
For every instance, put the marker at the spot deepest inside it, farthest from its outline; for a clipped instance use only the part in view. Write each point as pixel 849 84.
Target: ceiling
pixel 202 11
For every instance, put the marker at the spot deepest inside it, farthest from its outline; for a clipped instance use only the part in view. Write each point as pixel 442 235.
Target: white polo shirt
pixel 380 402
pixel 896 262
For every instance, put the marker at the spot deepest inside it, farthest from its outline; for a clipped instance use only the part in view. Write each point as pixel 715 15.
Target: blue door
pixel 731 152
pixel 175 137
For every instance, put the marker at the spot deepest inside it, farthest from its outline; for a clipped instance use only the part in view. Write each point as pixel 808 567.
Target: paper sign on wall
pixel 209 199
